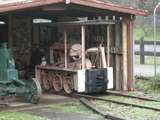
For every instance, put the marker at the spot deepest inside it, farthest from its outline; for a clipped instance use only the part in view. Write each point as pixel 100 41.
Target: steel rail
pixel 114 101
pixel 130 96
pixel 98 110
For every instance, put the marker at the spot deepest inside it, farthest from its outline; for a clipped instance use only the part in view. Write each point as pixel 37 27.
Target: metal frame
pixel 83 25
pixel 85 22
pixel 155 44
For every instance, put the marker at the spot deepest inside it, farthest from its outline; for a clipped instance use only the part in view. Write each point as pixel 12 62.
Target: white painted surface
pixel 81 81
pixel 110 77
pixel 3 2
pixel 68 1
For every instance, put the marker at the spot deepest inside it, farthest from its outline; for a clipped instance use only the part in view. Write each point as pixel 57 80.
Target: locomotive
pixel 79 67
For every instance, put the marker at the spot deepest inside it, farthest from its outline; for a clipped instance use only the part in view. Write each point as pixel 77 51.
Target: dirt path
pixel 43 110
pixel 53 114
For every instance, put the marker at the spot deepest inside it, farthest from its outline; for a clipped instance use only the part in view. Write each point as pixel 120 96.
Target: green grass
pixel 128 112
pixel 149 87
pixel 76 107
pixel 149 60
pixel 71 107
pixel 19 116
pixel 139 32
pixel 134 101
pixel 143 87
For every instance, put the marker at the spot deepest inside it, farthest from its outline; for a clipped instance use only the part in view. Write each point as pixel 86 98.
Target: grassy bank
pixel 19 116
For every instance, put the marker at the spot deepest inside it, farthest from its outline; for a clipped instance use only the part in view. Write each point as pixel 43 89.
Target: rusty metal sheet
pixel 25 4
pixel 111 6
pixel 12 5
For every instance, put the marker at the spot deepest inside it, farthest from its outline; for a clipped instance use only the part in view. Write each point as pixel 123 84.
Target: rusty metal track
pixel 129 96
pixel 105 114
pixel 114 101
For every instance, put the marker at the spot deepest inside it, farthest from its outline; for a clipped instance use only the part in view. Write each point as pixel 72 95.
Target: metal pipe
pixel 65 48
pixel 83 46
pixel 155 30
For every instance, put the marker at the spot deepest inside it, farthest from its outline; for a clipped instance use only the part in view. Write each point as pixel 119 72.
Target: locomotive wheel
pixel 68 85
pixel 57 82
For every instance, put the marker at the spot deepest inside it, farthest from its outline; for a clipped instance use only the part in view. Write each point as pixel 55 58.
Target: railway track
pixel 130 96
pixel 89 97
pixel 86 100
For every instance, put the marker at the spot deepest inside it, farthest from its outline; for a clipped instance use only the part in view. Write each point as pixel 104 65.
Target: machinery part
pixel 35 92
pixel 57 82
pixel 96 80
pixel 10 84
pixel 68 85
pixel 88 64
pixel 45 81
pixel 49 78
pixel 75 52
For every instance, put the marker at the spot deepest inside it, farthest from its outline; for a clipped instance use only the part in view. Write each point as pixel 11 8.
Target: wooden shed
pixel 18 29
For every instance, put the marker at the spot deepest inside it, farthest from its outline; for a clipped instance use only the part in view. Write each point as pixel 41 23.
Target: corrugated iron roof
pixel 8 5
pixel 111 6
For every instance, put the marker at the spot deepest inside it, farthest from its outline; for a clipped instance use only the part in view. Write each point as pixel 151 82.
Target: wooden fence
pixel 142 51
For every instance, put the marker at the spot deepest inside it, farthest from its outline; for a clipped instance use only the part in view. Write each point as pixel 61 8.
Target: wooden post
pixel 108 45
pixel 142 56
pixel 130 55
pixel 65 48
pixel 124 47
pixel 118 77
pixel 83 45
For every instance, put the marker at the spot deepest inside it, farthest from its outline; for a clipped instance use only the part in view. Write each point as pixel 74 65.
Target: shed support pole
pixel 108 45
pixel 65 48
pixel 125 55
pixel 118 58
pixel 130 55
pixel 83 46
